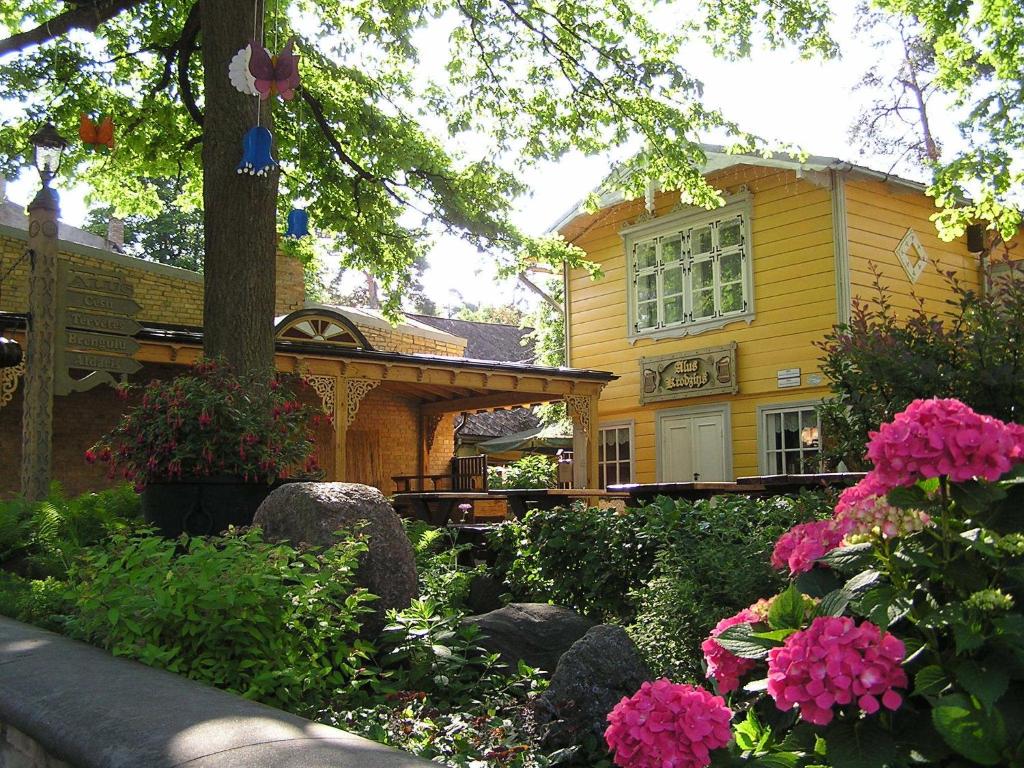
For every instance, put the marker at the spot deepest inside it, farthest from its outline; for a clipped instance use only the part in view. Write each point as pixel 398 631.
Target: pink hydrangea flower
pixel 799 547
pixel 939 437
pixel 863 509
pixel 665 725
pixel 835 662
pixel 724 666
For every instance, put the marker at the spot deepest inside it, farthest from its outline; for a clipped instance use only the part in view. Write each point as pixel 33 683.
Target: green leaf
pixel 863 744
pixel 884 606
pixel 974 496
pixel 984 682
pixel 787 610
pixel 977 734
pixel 776 760
pixel 834 603
pixel 862 580
pixel 911 497
pixel 930 681
pixel 740 640
pixel 817 582
pixel 855 557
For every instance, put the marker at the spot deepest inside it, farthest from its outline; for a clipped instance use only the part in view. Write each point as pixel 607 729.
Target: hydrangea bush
pixel 899 640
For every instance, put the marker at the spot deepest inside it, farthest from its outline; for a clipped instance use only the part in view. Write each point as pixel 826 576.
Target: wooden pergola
pixel 333 357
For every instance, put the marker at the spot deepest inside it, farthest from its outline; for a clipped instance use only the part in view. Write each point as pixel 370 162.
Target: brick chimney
pixel 115 234
pixel 290 292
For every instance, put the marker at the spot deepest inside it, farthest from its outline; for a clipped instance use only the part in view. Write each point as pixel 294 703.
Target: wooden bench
pixel 465 473
pixel 438 507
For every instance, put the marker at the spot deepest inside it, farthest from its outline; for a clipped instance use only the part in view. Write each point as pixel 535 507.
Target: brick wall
pixel 166 294
pixel 382 441
pixel 79 420
pixel 386 340
pixel 290 293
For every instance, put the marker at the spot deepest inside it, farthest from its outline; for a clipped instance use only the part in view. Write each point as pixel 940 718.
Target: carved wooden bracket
pixel 430 425
pixel 578 407
pixel 9 381
pixel 357 389
pixel 327 388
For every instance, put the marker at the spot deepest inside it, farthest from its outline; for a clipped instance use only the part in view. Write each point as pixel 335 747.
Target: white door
pixel 692 447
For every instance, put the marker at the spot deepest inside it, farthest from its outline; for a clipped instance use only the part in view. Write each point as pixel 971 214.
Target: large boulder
pixel 590 679
pixel 537 633
pixel 308 514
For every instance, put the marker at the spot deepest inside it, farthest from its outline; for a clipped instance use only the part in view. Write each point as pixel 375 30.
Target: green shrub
pixel 262 620
pixel 715 562
pixel 597 561
pixel 884 358
pixel 581 557
pixel 43 538
pixel 43 602
pixel 441 577
pixel 534 471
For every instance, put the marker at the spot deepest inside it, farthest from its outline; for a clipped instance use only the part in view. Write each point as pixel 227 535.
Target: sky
pixel 774 94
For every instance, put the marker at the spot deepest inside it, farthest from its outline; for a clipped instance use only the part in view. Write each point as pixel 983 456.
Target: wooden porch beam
pixel 488 402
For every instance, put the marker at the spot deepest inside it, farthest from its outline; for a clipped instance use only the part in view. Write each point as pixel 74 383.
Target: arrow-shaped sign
pixel 96 301
pixel 99 280
pixel 101 342
pixel 103 323
pixel 90 362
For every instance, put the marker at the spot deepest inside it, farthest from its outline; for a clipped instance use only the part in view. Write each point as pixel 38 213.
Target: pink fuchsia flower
pixel 835 662
pixel 724 666
pixel 864 509
pixel 204 420
pixel 936 437
pixel 666 724
pixel 799 547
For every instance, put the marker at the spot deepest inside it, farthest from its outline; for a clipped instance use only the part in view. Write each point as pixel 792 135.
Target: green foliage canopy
pixel 522 81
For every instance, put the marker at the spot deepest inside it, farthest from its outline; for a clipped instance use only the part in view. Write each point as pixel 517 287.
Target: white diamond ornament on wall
pixel 912 255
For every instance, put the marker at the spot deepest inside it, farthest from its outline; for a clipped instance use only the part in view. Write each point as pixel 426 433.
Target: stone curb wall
pixel 65 704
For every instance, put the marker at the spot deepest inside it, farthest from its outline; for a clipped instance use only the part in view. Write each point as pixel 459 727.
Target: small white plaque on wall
pixel 788 377
pixel 912 255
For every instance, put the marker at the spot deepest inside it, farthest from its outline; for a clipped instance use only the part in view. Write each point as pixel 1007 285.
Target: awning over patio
pixel 547 437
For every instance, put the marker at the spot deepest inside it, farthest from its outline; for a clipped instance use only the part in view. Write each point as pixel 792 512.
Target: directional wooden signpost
pixel 94 313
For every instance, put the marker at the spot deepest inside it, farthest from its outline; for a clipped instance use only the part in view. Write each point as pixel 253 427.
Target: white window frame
pixel 764 411
pixel 628 425
pixel 681 223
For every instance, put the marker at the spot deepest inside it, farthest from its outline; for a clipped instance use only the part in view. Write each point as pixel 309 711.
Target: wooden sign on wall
pixel 698 373
pixel 94 317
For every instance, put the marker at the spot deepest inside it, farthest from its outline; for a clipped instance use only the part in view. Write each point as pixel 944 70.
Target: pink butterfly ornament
pixel 274 75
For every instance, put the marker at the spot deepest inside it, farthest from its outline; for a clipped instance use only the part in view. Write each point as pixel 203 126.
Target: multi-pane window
pixel 690 274
pixel 614 455
pixel 792 441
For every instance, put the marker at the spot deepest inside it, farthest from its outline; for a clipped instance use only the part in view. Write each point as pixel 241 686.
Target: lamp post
pixel 37 414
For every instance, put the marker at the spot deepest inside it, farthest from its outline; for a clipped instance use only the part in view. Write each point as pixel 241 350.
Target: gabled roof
pixel 609 191
pixel 485 426
pixel 484 341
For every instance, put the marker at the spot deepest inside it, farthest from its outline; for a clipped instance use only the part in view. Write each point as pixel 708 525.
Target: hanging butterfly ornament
pixel 96 135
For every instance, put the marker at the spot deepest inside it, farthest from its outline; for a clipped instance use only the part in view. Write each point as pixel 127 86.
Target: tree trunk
pixel 240 211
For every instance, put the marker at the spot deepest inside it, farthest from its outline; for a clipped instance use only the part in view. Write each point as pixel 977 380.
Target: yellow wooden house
pixel 709 318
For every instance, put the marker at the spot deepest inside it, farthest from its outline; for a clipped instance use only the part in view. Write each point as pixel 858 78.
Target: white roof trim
pixel 718 159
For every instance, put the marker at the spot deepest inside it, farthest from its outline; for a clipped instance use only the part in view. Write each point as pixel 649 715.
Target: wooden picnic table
pixel 778 484
pixel 521 500
pixel 437 507
pixel 645 493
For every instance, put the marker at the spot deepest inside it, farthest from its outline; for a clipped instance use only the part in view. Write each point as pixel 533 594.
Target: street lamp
pixel 37 404
pixel 47 151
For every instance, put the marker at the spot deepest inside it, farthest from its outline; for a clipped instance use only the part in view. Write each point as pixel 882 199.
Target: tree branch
pixel 186 47
pixel 540 292
pixel 86 16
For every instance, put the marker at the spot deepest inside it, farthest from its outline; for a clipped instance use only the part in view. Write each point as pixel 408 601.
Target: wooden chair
pixel 469 473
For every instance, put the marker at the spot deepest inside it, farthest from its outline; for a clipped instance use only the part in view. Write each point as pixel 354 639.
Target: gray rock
pixel 590 679
pixel 308 514
pixel 537 633
pixel 484 594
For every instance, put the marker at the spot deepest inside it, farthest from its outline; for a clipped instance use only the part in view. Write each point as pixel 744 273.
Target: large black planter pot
pixel 203 506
